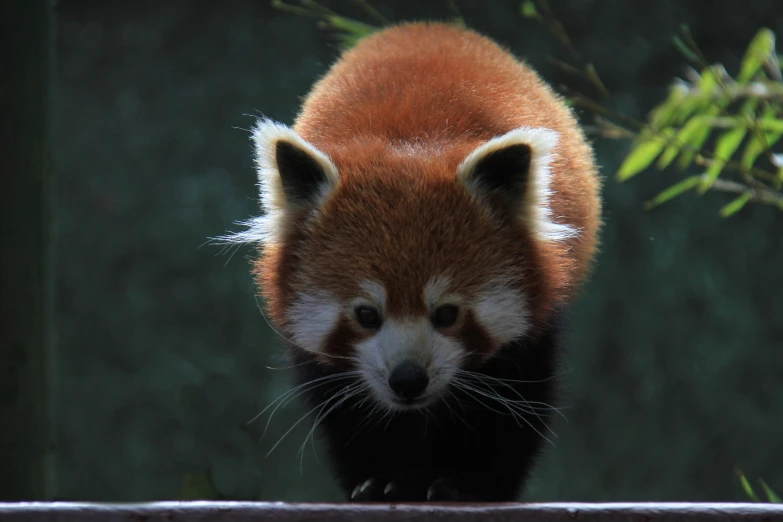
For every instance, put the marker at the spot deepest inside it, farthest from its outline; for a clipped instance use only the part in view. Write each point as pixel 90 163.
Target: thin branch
pixel 455 10
pixel 318 8
pixel 760 195
pixel 721 77
pixel 760 90
pixel 294 9
pixel 588 71
pixel 370 10
pixel 702 155
pixel 700 159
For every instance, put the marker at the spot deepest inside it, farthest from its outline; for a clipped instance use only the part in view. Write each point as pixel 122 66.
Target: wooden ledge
pixel 285 512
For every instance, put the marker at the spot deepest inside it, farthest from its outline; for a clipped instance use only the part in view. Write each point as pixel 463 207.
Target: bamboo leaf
pixel 771 496
pixel 643 155
pixel 672 192
pixel 701 100
pixel 749 107
pixel 685 50
pixel 687 108
pixel 746 485
pixel 771 124
pixel 730 141
pixel 696 138
pixel 528 9
pixel 727 144
pixel 350 31
pixel 459 22
pixel 735 205
pixel 592 75
pixel 684 137
pixel 665 113
pixel 669 154
pixel 760 48
pixel 709 80
pixel 757 145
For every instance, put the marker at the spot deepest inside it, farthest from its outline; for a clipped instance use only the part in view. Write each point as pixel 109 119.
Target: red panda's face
pixel 407 277
pixel 406 268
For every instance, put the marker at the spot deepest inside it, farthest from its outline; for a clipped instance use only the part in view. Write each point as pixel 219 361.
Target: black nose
pixel 408 380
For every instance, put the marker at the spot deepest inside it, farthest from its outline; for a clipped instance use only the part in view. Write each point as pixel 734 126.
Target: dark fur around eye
pixel 445 316
pixel 368 317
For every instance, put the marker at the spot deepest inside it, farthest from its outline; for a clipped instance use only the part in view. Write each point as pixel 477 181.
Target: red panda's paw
pixel 414 486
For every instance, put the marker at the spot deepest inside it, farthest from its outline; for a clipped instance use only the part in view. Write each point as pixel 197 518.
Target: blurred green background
pixel 675 365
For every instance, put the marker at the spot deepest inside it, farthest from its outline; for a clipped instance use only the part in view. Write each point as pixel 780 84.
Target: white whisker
pixel 348 392
pixel 512 407
pixel 286 339
pixel 296 391
pixel 481 378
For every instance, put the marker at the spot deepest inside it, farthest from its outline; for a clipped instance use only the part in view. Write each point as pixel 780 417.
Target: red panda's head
pixel 408 262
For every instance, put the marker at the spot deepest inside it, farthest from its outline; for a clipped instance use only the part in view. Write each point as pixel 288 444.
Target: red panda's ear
pixel 291 171
pixel 516 166
pixel 292 175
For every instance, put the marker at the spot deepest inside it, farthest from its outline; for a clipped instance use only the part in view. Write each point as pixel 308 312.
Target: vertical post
pixel 26 49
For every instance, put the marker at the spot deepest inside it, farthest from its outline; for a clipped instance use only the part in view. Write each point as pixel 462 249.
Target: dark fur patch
pixel 476 340
pixel 341 342
pixel 471 441
pixel 300 173
pixel 505 172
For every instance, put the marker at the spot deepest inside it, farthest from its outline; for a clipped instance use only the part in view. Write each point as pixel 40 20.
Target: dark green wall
pixel 675 366
pixel 26 55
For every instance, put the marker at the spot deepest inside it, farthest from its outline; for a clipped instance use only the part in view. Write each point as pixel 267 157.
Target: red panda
pixel 427 219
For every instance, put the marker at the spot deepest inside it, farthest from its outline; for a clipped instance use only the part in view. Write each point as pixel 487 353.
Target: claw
pixel 406 487
pixel 362 491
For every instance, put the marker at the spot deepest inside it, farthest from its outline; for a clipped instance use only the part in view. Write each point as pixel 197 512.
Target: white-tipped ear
pixel 293 175
pixel 516 167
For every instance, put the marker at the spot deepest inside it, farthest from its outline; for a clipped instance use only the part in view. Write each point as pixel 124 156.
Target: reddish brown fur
pixel 397 115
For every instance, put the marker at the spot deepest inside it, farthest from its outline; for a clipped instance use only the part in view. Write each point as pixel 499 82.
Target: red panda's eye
pixel 368 317
pixel 445 316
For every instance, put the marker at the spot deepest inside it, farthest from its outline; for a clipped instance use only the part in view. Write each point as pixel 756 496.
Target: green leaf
pixel 459 22
pixel 711 94
pixel 670 153
pixel 756 146
pixel 771 124
pixel 684 137
pixel 735 205
pixel 643 155
pixel 770 494
pixel 761 47
pixel 685 50
pixel 696 137
pixel 749 107
pixel 672 192
pixel 709 80
pixel 528 9
pixel 759 144
pixel 702 100
pixel 350 31
pixel 727 144
pixel 666 112
pixel 688 106
pixel 730 141
pixel 746 486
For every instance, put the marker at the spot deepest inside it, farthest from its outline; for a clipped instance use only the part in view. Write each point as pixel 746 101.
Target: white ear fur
pixel 534 208
pixel 269 227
